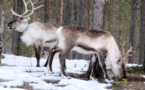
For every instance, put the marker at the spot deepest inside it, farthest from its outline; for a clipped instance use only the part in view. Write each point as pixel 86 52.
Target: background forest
pixel 125 19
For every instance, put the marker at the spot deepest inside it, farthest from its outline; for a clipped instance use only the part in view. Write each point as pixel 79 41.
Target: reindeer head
pixel 21 22
pixel 123 61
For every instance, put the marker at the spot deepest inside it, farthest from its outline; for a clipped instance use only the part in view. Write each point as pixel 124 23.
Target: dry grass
pixel 135 80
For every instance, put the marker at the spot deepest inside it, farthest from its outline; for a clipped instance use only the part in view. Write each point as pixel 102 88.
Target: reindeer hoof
pixel 109 81
pixel 37 65
pixel 86 77
pixel 50 71
pixel 45 65
pixel 66 77
pixel 92 78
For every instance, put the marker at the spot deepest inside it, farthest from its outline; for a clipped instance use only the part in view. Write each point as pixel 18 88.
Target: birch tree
pixel 98 14
pixel 46 10
pixel 142 34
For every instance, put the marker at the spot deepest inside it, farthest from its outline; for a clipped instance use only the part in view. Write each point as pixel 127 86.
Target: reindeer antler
pixel 126 54
pixel 26 9
pixel 129 51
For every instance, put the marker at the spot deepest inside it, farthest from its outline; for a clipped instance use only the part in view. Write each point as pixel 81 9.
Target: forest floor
pixel 135 82
pixel 135 79
pixel 20 73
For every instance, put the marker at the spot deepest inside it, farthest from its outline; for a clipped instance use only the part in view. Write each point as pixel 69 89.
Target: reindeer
pixel 94 42
pixel 35 34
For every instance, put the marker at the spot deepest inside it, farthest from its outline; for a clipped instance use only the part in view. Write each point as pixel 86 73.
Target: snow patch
pixel 21 69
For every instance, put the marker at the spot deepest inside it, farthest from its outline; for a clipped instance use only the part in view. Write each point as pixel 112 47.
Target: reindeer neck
pixel 113 52
pixel 26 29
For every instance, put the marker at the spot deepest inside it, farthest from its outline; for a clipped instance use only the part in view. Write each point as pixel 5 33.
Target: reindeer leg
pixel 62 63
pixel 62 57
pixel 37 56
pixel 124 71
pixel 89 69
pixel 50 59
pixel 101 59
pixel 38 51
pixel 92 67
pixel 105 71
pixel 97 69
pixel 49 51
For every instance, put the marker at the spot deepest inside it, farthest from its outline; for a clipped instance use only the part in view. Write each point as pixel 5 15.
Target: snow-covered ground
pixel 21 72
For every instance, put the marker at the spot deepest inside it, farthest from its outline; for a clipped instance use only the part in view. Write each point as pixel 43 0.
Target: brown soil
pixel 135 82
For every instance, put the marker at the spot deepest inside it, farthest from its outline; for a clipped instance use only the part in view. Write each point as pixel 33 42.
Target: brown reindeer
pixel 94 42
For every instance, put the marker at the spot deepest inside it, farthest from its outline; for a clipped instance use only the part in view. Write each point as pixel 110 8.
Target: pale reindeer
pixel 95 42
pixel 35 34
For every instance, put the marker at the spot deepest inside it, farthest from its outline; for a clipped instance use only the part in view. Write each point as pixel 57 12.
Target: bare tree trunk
pixel 112 17
pixel 68 12
pixel 144 61
pixel 142 34
pixel 81 13
pixel 89 15
pixel 120 29
pixel 73 54
pixel 15 34
pixel 16 42
pixel 46 11
pixel 79 18
pixel 133 28
pixel 61 12
pixel 75 12
pixel 98 25
pixel 1 35
pixel 98 14
pixel 68 17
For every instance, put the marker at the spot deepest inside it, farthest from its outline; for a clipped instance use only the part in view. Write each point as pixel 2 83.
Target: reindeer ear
pixel 26 19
